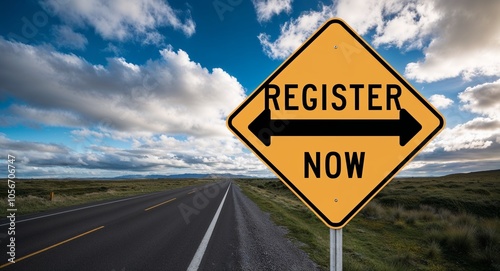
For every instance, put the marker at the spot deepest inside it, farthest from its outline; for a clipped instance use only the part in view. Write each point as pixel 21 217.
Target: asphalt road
pixel 211 227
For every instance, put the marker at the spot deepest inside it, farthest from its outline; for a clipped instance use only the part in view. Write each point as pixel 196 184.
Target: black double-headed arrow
pixel 406 127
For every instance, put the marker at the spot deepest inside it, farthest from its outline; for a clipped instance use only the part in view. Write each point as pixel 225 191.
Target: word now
pixel 333 164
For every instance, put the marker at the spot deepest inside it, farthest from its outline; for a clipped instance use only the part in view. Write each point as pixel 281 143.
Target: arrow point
pixel 260 127
pixel 409 127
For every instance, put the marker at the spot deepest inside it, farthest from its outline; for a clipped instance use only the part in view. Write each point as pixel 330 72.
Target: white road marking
pixel 198 256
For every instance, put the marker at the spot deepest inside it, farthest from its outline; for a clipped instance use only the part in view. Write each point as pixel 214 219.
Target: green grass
pixel 475 193
pixel 445 223
pixel 33 196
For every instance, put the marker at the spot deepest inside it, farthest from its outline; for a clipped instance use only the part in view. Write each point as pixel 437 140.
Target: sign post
pixel 335 122
pixel 335 249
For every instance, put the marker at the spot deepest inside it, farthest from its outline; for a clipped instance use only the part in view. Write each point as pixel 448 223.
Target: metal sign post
pixel 335 249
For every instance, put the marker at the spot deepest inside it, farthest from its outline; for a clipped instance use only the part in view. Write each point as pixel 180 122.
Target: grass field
pixel 445 223
pixel 34 195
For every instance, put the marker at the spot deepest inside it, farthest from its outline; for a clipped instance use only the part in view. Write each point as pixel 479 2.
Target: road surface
pixel 209 227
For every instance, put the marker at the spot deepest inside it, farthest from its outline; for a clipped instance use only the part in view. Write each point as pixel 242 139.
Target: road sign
pixel 335 122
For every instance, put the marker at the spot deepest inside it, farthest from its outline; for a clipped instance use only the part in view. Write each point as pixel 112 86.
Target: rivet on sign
pixel 335 47
pixel 336 200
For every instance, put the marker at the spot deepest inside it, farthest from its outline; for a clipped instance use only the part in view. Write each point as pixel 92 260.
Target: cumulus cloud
pixel 12 145
pixel 149 155
pixel 66 37
pixel 114 20
pixel 293 33
pixel 436 26
pixel 362 15
pixel 161 117
pixel 266 9
pixel 171 95
pixel 449 54
pixel 440 101
pixel 399 23
pixel 32 116
pixel 459 38
pixel 404 24
pixel 482 99
pixel 480 133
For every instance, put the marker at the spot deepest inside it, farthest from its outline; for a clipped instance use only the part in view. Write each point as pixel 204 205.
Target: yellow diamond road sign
pixel 335 122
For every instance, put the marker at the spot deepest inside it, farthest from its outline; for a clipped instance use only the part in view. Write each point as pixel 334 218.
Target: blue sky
pixel 102 88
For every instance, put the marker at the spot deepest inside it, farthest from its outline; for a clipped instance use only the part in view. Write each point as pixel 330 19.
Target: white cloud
pixel 399 23
pixel 113 49
pixel 440 101
pixel 479 133
pixel 66 37
pixel 17 146
pixel 406 27
pixel 215 155
pixel 148 155
pixel 365 15
pixel 294 32
pixel 170 95
pixel 482 99
pixel 470 146
pixel 459 37
pixel 266 9
pixel 362 15
pixel 437 26
pixel 410 27
pixel 119 20
pixel 153 38
pixel 34 116
pixel 465 42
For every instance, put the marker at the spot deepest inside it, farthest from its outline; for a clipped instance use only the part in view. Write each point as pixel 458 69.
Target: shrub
pixel 396 213
pixel 434 250
pixel 403 259
pixel 460 238
pixel 373 210
pixel 487 240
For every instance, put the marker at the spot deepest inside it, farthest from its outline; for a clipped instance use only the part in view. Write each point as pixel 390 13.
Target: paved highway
pixel 210 227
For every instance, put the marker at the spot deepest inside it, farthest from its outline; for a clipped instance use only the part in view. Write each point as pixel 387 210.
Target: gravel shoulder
pixel 262 244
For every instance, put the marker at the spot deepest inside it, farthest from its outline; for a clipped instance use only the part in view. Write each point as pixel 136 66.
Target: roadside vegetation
pixel 445 223
pixel 33 196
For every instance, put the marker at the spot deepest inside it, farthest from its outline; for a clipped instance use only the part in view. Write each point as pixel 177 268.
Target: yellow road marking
pixel 192 192
pixel 159 204
pixel 53 246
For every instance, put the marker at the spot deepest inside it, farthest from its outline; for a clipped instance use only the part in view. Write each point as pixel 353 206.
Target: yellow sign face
pixel 335 122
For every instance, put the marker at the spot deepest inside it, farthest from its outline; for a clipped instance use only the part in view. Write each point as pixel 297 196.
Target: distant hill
pixel 486 173
pixel 184 176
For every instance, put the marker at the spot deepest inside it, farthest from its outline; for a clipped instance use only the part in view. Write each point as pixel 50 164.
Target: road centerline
pixel 198 256
pixel 51 247
pixel 80 208
pixel 159 204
